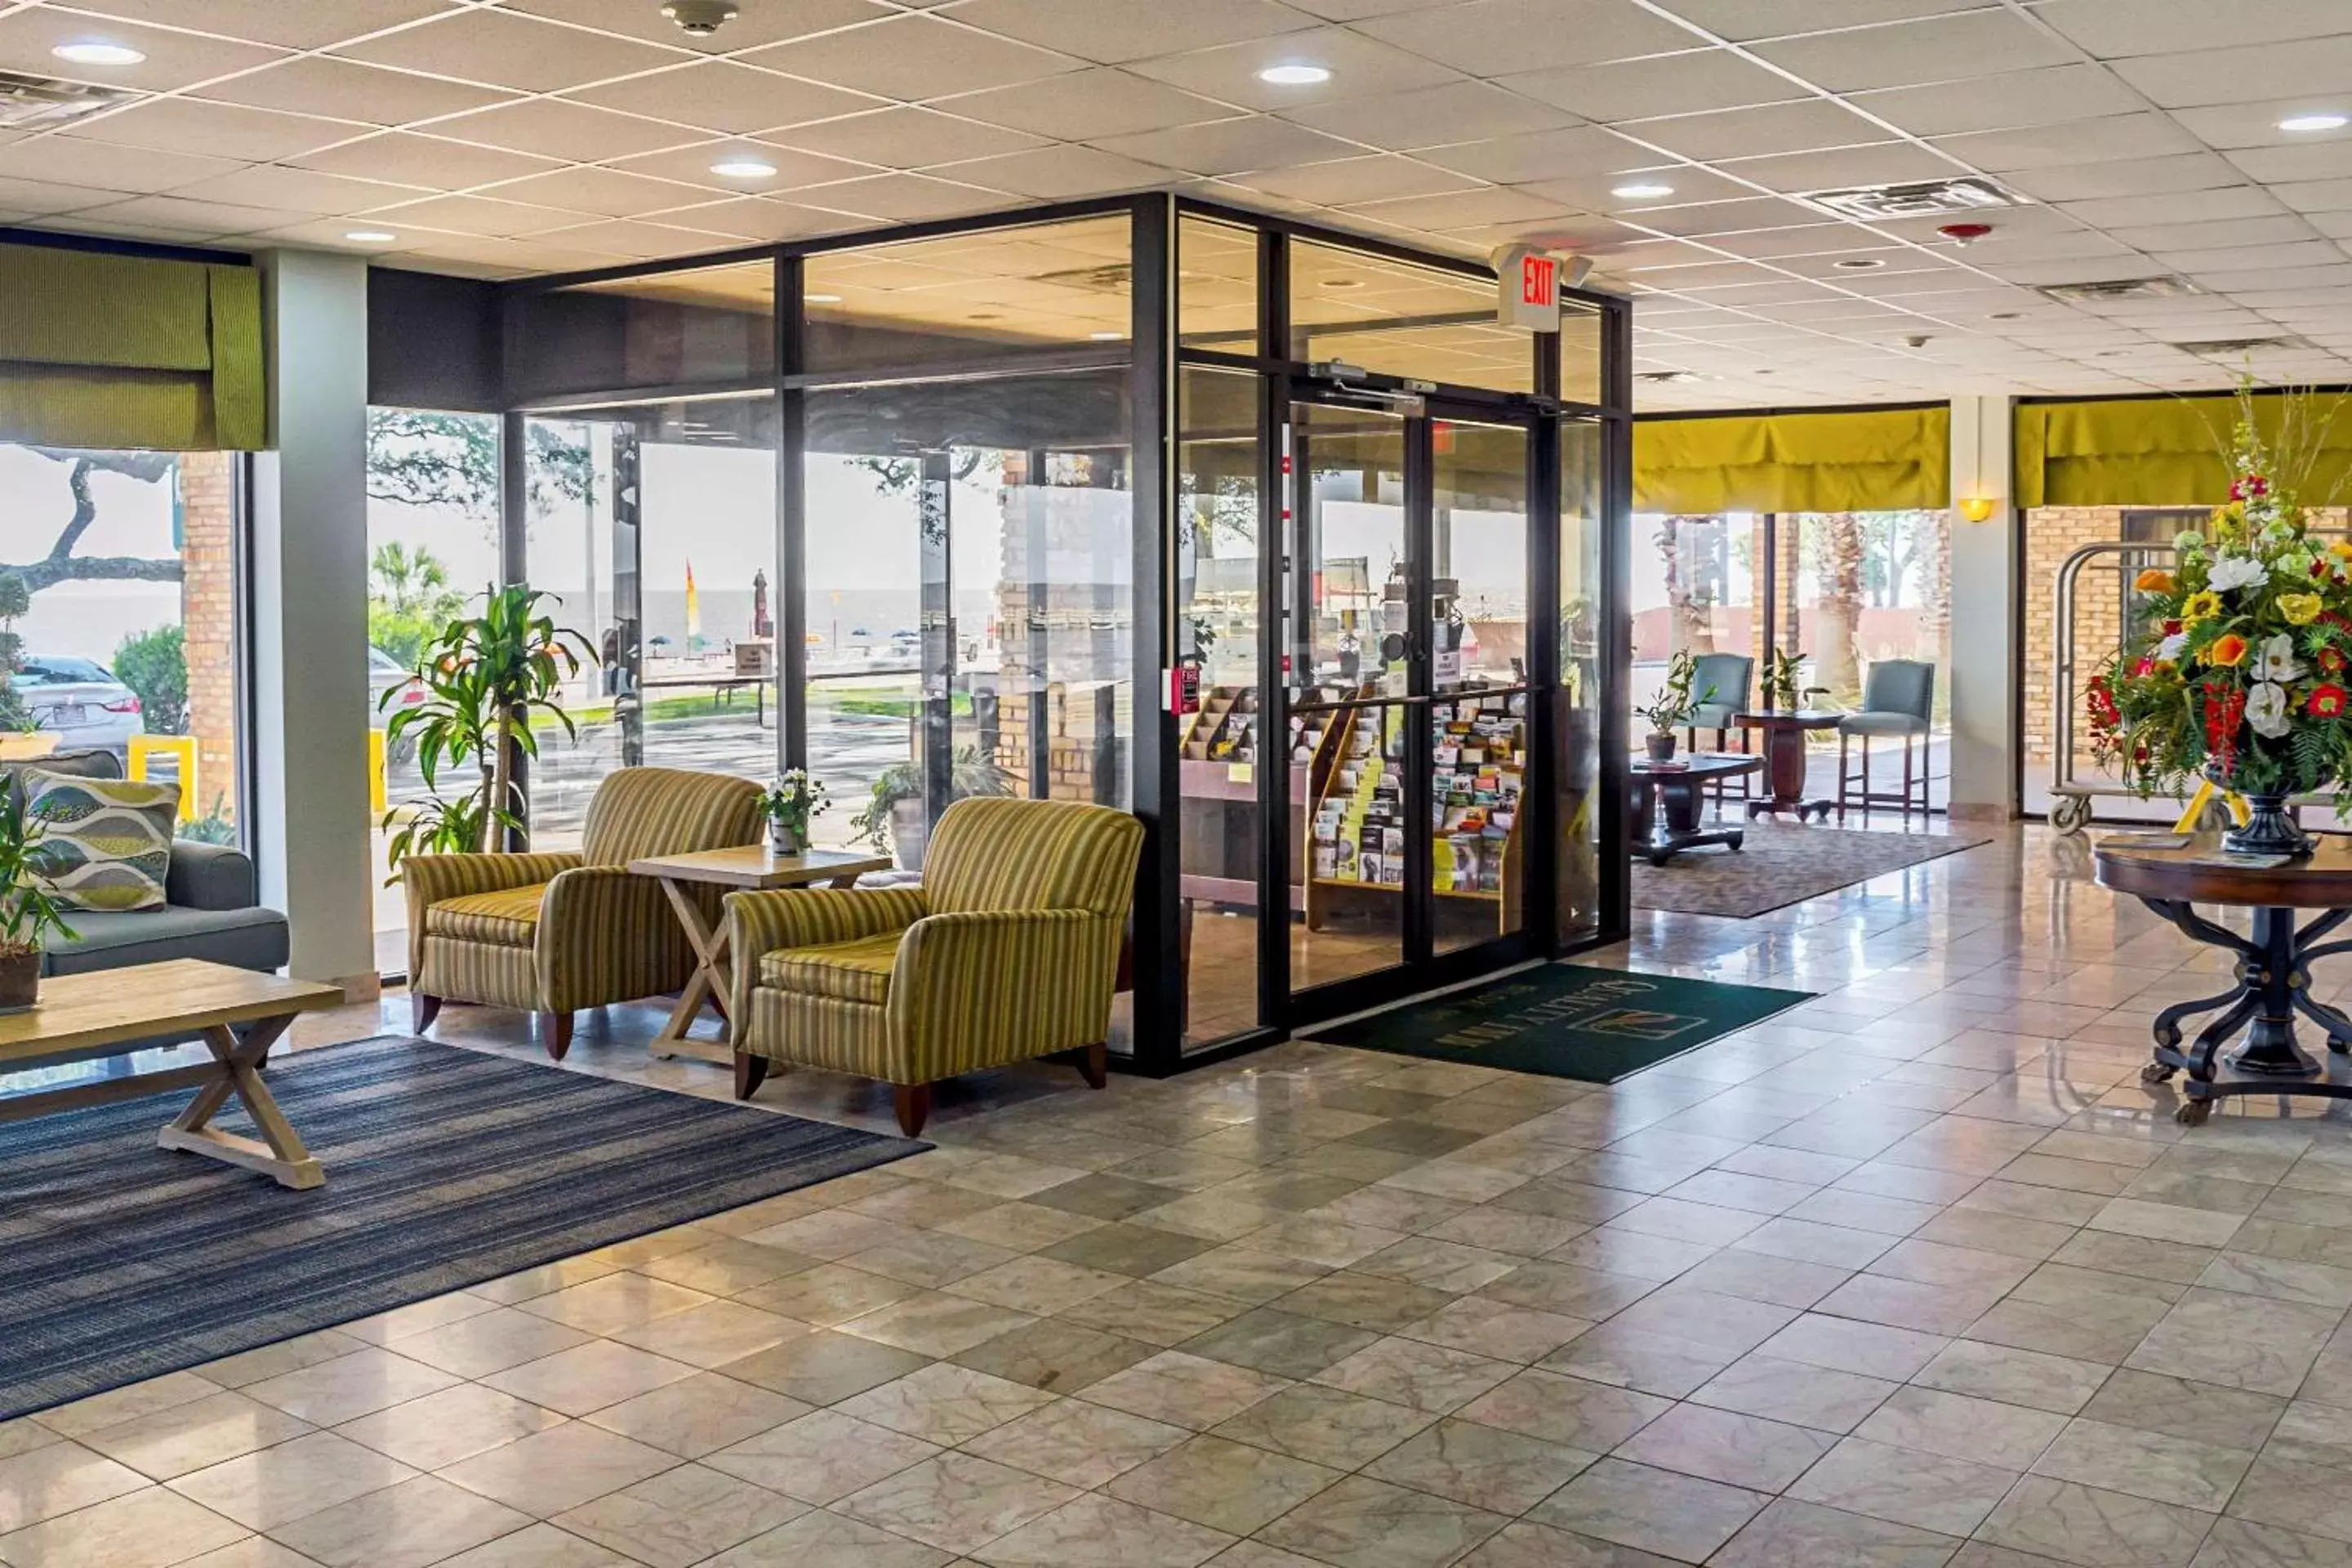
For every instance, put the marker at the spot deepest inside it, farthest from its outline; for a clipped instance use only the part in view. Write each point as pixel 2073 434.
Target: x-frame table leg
pixel 280 1151
pixel 708 982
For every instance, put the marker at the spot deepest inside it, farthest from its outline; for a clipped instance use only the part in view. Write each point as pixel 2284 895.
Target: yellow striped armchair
pixel 554 933
pixel 1008 950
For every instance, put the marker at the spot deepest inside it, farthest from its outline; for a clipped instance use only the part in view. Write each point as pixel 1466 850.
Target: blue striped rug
pixel 445 1167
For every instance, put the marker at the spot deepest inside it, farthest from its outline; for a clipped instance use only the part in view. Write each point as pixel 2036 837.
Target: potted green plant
pixel 1779 679
pixel 788 803
pixel 894 817
pixel 1673 705
pixel 486 679
pixel 29 911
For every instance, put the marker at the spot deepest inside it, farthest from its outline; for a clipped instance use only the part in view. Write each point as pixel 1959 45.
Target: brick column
pixel 208 619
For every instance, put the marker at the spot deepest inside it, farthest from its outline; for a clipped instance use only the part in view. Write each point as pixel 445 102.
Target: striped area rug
pixel 445 1167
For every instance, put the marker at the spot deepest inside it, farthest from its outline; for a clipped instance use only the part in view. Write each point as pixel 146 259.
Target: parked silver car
pixel 80 700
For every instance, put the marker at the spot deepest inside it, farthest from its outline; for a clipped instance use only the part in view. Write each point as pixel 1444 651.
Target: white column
pixel 1985 654
pixel 309 619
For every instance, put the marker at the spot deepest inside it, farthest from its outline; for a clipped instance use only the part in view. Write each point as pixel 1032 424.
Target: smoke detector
pixel 30 102
pixel 2164 287
pixel 700 18
pixel 1920 198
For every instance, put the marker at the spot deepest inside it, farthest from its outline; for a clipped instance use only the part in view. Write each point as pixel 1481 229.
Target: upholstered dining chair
pixel 1898 696
pixel 1009 950
pixel 1721 682
pixel 551 933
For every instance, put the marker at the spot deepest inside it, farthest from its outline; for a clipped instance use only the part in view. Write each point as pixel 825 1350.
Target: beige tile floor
pixel 1918 1275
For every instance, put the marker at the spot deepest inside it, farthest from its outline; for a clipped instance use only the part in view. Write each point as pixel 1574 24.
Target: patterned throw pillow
pixel 109 841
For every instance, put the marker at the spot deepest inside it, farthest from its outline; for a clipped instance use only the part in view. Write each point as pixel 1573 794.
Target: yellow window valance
pixel 133 351
pixel 1879 460
pixel 2164 451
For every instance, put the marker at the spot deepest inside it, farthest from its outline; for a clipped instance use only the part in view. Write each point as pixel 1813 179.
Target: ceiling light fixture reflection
pixel 1295 76
pixel 822 299
pixel 371 237
pixel 742 166
pixel 2322 122
pixel 1859 263
pixel 98 52
pixel 1642 191
pixel 1107 337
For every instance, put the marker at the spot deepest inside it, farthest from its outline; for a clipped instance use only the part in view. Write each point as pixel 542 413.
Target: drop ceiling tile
pixel 345 89
pixel 1686 83
pixel 1113 32
pixel 222 130
pixel 1904 54
pixel 2166 236
pixel 308 24
pixel 1347 181
pixel 1690 186
pixel 63 161
pixel 192 217
pixel 40 198
pixel 903 198
pixel 2315 196
pixel 506 49
pixel 330 234
pixel 1359 67
pixel 1063 174
pixel 2329 160
pixel 478 216
pixel 691 166
pixel 1814 238
pixel 1497 38
pixel 2229 126
pixel 1364 10
pixel 722 95
pixel 1684 277
pixel 174 60
pixel 604 192
pixel 2182 206
pixel 2247 257
pixel 635 240
pixel 1230 146
pixel 1799 127
pixel 2044 97
pixel 2335 225
pixel 2128 177
pixel 2113 29
pixel 906 139
pixel 1433 117
pixel 406 159
pixel 2250 74
pixel 297 190
pixel 2078 269
pixel 2145 134
pixel 912 58
pixel 1511 160
pixel 1461 210
pixel 758 24
pixel 1836 168
pixel 554 128
pixel 761 218
pixel 1084 106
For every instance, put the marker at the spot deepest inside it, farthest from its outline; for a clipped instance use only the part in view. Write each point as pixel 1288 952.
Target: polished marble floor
pixel 1916 1275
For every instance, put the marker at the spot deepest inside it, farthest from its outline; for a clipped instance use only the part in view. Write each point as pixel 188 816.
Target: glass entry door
pixel 1406 697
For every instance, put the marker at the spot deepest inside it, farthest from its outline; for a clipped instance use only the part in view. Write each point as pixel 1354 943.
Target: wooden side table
pixel 2272 980
pixel 748 868
pixel 1784 758
pixel 1674 791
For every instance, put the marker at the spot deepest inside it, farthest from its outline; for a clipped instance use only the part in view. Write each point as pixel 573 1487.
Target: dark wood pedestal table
pixel 1784 758
pixel 1676 791
pixel 2272 977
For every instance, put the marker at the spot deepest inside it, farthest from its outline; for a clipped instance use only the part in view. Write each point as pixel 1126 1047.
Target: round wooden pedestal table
pixel 2273 973
pixel 1785 730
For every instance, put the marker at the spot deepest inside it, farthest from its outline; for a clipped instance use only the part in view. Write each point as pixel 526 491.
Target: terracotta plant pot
pixel 20 980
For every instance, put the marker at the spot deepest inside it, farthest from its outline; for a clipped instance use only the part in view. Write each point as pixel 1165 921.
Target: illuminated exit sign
pixel 1528 285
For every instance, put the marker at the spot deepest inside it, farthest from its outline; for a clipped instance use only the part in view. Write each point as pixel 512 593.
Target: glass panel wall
pixel 1403 319
pixel 1576 734
pixel 709 324
pixel 1873 585
pixel 661 548
pixel 1216 286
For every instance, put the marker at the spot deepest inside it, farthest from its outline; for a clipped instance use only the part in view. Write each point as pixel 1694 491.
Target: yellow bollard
pixel 182 747
pixel 2203 797
pixel 375 772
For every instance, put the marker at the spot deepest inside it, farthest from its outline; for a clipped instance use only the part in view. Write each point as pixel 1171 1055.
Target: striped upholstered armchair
pixel 1008 950
pixel 552 933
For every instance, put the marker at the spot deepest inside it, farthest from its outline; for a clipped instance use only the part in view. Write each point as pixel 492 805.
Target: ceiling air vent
pixel 2233 348
pixel 2118 289
pixel 29 102
pixel 1668 377
pixel 1922 198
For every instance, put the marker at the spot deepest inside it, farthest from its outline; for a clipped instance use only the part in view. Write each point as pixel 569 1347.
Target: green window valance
pixel 2166 451
pixel 130 352
pixel 1880 460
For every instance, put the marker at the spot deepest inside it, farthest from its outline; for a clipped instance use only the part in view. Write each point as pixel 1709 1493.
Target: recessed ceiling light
pixel 822 299
pixel 371 237
pixel 1642 191
pixel 741 166
pixel 1107 337
pixel 1294 75
pixel 98 52
pixel 1861 263
pixel 2323 122
pixel 2006 316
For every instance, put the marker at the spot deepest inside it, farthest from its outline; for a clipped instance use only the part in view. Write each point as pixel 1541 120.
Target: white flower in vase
pixel 2230 572
pixel 2266 710
pixel 2277 662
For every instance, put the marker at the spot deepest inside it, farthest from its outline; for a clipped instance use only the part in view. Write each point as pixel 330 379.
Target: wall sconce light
pixel 1979 509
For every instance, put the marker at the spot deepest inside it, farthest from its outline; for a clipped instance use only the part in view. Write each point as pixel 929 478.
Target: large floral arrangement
pixel 2242 673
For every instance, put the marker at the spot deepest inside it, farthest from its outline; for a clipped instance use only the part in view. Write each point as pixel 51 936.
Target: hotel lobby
pixel 1284 784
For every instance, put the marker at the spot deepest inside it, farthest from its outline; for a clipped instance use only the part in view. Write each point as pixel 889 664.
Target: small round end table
pixel 1784 758
pixel 2273 973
